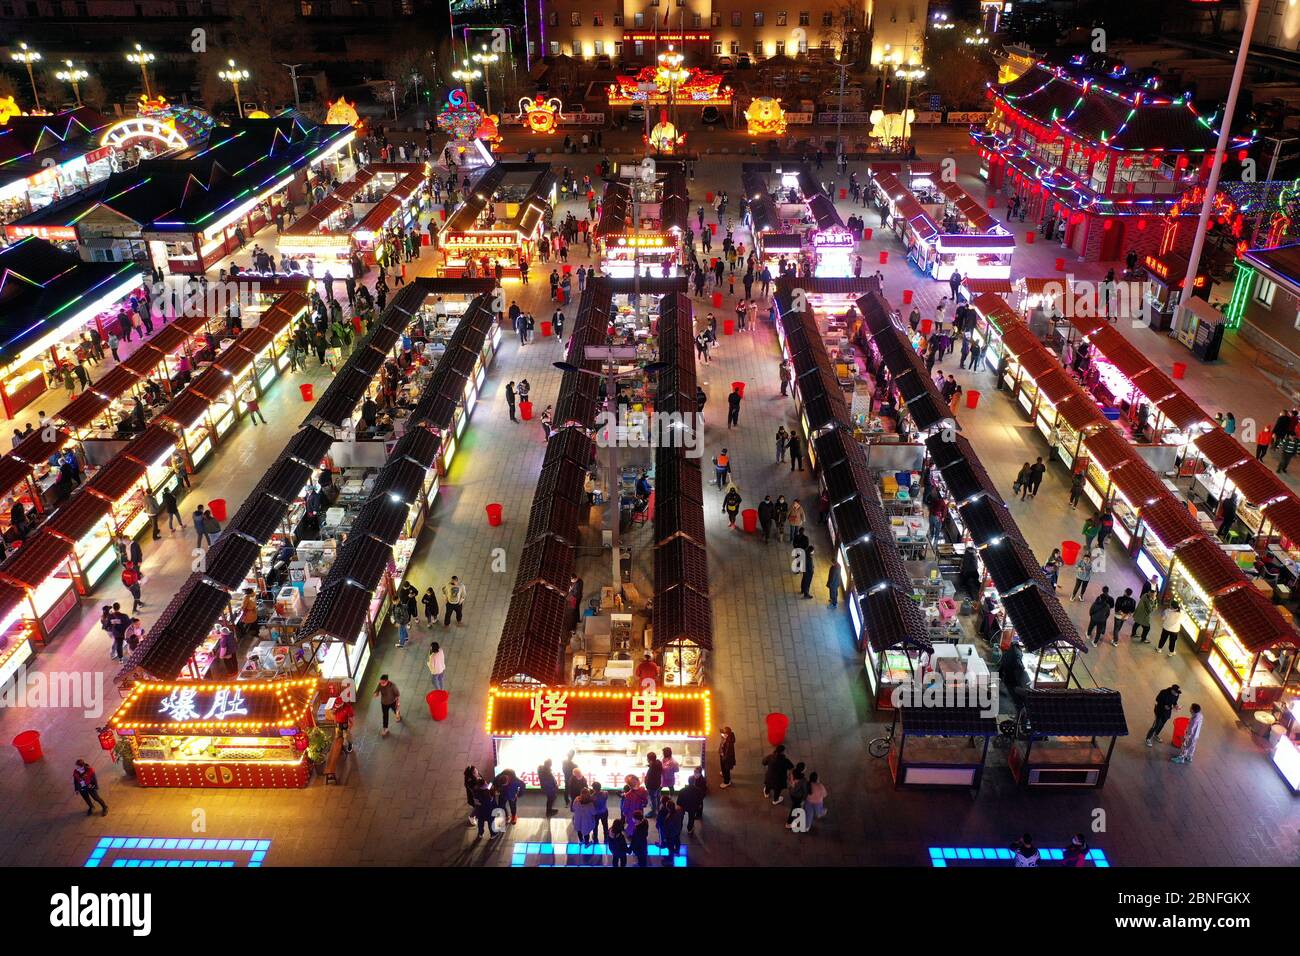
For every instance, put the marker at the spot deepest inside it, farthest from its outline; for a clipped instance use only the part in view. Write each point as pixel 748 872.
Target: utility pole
pixel 293 75
pixel 1279 142
pixel 392 90
pixel 1251 8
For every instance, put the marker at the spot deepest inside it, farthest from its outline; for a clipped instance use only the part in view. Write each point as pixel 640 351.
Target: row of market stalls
pixel 348 226
pixel 642 223
pixel 796 222
pixel 323 548
pixel 499 221
pixel 1248 645
pixel 185 211
pixel 944 229
pixel 73 548
pixel 551 695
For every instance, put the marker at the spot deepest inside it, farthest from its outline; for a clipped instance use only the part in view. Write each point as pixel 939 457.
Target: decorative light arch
pixel 128 131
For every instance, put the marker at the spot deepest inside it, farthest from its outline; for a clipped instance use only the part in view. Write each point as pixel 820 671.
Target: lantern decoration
pixel 8 108
pixel 664 137
pixel 342 113
pixel 698 88
pixel 461 117
pixel 541 116
pixel 258 114
pixel 107 739
pixel 300 741
pixel 152 104
pixel 488 130
pixel 765 117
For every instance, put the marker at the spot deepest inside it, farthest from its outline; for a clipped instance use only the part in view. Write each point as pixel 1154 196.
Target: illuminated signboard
pixel 695 37
pixel 601 713
pixel 481 240
pixel 245 708
pixel 50 233
pixel 643 242
pixel 1158 267
pixel 833 238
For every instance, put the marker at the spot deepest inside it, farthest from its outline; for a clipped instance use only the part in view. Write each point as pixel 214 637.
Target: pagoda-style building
pixel 1104 163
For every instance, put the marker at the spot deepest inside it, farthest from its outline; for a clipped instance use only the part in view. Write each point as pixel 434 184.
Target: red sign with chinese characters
pixel 599 712
pixel 49 233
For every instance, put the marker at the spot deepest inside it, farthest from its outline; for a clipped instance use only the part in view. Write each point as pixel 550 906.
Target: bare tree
pixel 956 70
pixel 257 36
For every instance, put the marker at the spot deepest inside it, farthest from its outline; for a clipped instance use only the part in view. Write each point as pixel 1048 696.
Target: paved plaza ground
pixel 401 800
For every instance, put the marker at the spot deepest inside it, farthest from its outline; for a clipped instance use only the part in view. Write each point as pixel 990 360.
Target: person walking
pixel 1025 853
pixel 584 817
pixel 390 699
pixel 654 781
pixel 669 824
pixel 548 785
pixel 86 785
pixel 510 400
pixel 1171 625
pixel 782 442
pixel 1262 442
pixel 1036 471
pixel 1105 525
pixel 430 602
pixel 780 514
pixel 616 841
pixel 1166 704
pixel 731 502
pixel 777 775
pixel 1125 605
pixel 814 804
pixel 833 579
pixel 1146 606
pixel 726 755
pixel 511 788
pixel 733 407
pixel 721 467
pixel 798 793
pixel 131 579
pixel 796 518
pixel 437 664
pixel 1098 614
pixel 639 842
pixel 172 510
pixel 401 616
pixel 1289 447
pixel 784 373
pixel 344 714
pixel 766 509
pixel 1090 529
pixel 795 448
pixel 453 599
pixel 1021 484
pixel 1082 575
pixel 691 800
pixel 1076 488
pixel 600 800
pixel 1190 736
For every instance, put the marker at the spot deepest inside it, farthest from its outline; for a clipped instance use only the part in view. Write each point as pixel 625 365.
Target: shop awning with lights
pixel 239 708
pixel 599 712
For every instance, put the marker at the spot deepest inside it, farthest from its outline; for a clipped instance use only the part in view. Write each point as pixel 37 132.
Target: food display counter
pixel 939 747
pixel 609 730
pixel 230 735
pixel 86 522
pixel 1072 736
pixel 15 632
pixel 1252 651
pixel 42 568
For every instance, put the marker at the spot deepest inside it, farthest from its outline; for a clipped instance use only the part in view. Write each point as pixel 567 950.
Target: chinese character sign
pixel 183 705
pixel 646 712
pixel 179 704
pixel 549 710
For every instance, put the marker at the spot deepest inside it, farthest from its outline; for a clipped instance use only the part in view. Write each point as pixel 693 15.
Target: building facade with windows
pixel 633 30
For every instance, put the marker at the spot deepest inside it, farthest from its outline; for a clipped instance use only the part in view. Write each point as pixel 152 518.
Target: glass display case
pixel 1193 600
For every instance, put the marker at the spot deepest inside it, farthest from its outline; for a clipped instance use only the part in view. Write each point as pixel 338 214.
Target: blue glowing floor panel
pixel 176 853
pixel 946 856
pixel 575 854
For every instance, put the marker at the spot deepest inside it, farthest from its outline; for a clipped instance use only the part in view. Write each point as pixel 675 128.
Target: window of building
pixel 600 48
pixel 828 19
pixel 553 19
pixel 758 18
pixel 780 48
pixel 618 18
pixel 735 18
pixel 640 49
pixel 715 18
pixel 575 19
pixel 735 48
pixel 804 18
pixel 598 19
pixel 717 48
pixel 781 18
pixel 654 3
pixel 575 49
pixel 1265 291
pixel 681 3
pixel 803 45
pixel 305 8
pixel 846 18
pixel 697 21
pixel 555 48
pixel 638 19
pixel 618 48
pixel 758 48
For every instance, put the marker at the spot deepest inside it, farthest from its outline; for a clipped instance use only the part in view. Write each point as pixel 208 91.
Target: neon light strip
pixel 941 855
pixel 257 850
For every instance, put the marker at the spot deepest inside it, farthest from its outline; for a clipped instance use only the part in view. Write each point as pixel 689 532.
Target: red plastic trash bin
pixel 927 326
pixel 728 326
pixel 884 258
pixel 749 518
pixel 546 327
pixel 494 514
pixel 907 297
pixel 29 746
pixel 568 269
pixel 717 300
pixel 1070 551
pixel 738 387
pixel 1030 236
pixel 866 234
pixel 526 411
pixel 218 508
pixel 442 214
pixel 993 202
pixel 559 296
pixel 972 399
pixel 844 194
pixel 437 701
pixel 1180 730
pixel 424 239
pixel 308 392
pixel 1180 369
pixel 713 228
pixel 1060 265
pixel 777 725
pixel 708 197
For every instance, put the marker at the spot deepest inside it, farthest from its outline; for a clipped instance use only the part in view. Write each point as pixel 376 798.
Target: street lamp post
pixel 485 59
pixel 670 66
pixel 234 76
pixel 908 75
pixel 27 57
pixel 142 58
pixel 467 75
pixel 293 75
pixel 73 75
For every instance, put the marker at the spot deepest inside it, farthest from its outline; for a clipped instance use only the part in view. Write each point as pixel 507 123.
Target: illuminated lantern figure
pixel 461 117
pixel 8 108
pixel 541 116
pixel 664 136
pixel 488 131
pixel 152 104
pixel 765 117
pixel 342 113
pixel 258 114
pixel 890 125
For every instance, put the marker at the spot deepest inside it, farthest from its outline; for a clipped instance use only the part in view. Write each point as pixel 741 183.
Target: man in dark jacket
pixel 733 407
pixel 1125 605
pixel 654 781
pixel 1098 614
pixel 691 800
pixel 777 774
pixel 766 511
pixel 1166 704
